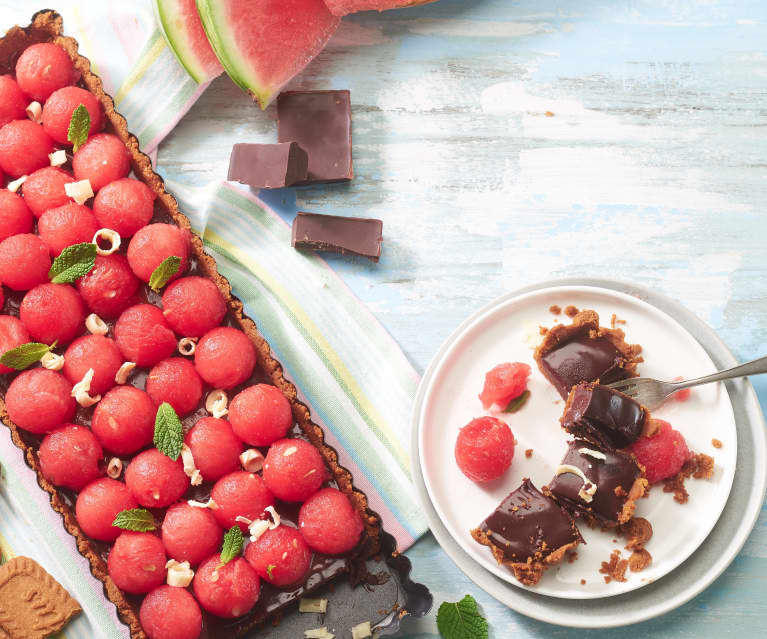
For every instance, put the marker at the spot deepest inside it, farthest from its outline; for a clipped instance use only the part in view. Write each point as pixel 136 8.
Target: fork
pixel 651 393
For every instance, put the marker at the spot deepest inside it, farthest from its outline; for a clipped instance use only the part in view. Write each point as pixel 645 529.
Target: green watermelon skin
pixel 182 29
pixel 345 7
pixel 263 44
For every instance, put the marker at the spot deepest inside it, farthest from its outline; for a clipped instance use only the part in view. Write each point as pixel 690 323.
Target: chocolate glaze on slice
pixel 603 415
pixel 583 359
pixel 613 477
pixel 529 525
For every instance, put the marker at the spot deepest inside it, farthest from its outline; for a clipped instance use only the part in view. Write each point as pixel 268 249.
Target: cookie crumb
pixel 615 568
pixel 583 582
pixel 572 555
pixel 716 443
pixel 639 560
pixel 549 114
pixel 637 531
pixel 529 453
pixel 556 309
pixel 571 311
pixel 543 330
pixel 699 466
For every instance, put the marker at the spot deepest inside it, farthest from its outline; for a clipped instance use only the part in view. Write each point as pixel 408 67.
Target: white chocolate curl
pixel 16 184
pixel 35 112
pixel 275 517
pixel 107 235
pixel 189 468
pixel 290 451
pixel 96 325
pixel 114 468
pixel 57 158
pixel 187 346
pixel 123 373
pixel 203 504
pixel 318 633
pixel 180 574
pixel 596 454
pixel 80 191
pixel 586 494
pixel 216 403
pixel 252 460
pixel 305 604
pixel 81 390
pixel 52 362
pixel 256 527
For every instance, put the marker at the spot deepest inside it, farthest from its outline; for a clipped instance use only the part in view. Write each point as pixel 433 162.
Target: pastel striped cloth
pixel 352 374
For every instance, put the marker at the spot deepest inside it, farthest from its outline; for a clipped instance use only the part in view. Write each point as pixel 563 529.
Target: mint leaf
pixel 518 402
pixel 167 269
pixel 139 519
pixel 168 431
pixel 269 569
pixel 73 263
pixel 461 620
pixel 232 545
pixel 79 125
pixel 25 355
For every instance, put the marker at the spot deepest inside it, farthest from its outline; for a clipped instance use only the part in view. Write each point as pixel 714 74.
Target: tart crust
pixel 46 26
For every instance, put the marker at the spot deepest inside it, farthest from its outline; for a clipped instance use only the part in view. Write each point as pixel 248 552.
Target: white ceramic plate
pixel 502 333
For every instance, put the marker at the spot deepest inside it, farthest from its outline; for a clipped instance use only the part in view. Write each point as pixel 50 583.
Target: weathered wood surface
pixel 504 143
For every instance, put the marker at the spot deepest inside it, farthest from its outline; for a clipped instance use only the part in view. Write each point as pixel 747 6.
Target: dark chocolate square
pixel 268 166
pixel 336 234
pixel 603 415
pixel 610 477
pixel 321 122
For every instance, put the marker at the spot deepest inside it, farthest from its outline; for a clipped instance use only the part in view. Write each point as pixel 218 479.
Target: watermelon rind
pixel 179 42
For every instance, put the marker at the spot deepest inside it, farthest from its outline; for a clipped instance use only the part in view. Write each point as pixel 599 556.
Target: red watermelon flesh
pixel 344 7
pixel 263 44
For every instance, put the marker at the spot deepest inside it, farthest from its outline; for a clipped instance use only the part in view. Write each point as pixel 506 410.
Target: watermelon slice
pixel 264 43
pixel 180 25
pixel 344 7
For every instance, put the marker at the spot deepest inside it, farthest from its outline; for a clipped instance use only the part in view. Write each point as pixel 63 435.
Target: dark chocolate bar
pixel 321 122
pixel 336 234
pixel 268 166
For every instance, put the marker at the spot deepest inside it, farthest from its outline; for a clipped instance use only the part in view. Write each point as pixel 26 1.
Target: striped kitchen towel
pixel 351 373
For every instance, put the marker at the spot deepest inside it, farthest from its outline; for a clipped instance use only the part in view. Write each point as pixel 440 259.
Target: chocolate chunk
pixel 335 234
pixel 321 122
pixel 529 525
pixel 603 415
pixel 583 359
pixel 612 473
pixel 268 166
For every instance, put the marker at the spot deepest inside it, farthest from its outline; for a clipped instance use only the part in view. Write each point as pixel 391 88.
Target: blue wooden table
pixel 504 143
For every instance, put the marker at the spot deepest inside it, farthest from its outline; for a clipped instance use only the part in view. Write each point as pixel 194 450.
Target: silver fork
pixel 651 393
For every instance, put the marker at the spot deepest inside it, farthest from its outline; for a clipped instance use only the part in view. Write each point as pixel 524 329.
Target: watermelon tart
pixel 150 407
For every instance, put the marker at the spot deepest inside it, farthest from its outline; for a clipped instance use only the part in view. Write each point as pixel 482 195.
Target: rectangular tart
pixel 46 26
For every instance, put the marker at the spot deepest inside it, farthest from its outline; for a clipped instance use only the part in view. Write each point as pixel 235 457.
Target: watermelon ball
pixel 240 493
pixel 123 420
pixel 44 189
pixel 59 107
pixel 170 613
pixel 504 383
pixel 215 448
pixel 97 352
pixel 225 357
pixel 109 287
pixel 260 414
pixel 39 400
pixel 15 216
pixel 193 306
pixel 69 456
pixel 101 160
pixel 484 449
pixel 663 454
pixel 190 533
pixel 155 480
pixel 13 102
pixel 66 225
pixel 53 312
pixel 329 523
pixel 24 148
pixel 98 504
pixel 294 470
pixel 13 333
pixel 43 68
pixel 226 591
pixel 136 562
pixel 175 380
pixel 24 261
pixel 280 556
pixel 143 335
pixel 153 244
pixel 125 206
